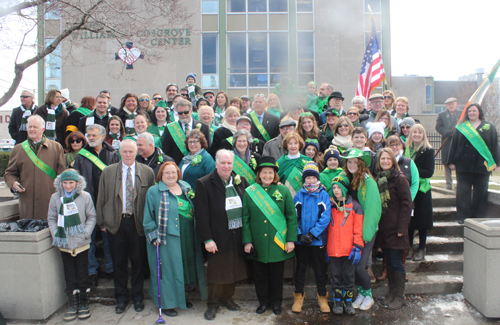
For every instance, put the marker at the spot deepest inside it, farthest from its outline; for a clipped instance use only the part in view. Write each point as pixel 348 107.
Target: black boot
pixel 389 297
pixel 83 305
pixel 399 295
pixel 348 308
pixel 72 310
pixel 337 302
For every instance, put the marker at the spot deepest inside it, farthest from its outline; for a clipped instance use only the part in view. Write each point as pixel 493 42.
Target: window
pixel 236 6
pixel 209 42
pixel 278 56
pixel 428 95
pixel 278 6
pixel 374 5
pixel 305 40
pixel 304 6
pixel 53 67
pixel 210 6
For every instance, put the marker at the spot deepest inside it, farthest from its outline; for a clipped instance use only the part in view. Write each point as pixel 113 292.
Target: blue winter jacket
pixel 313 214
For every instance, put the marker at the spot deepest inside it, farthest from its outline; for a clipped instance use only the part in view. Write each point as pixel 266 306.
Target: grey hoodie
pixel 86 211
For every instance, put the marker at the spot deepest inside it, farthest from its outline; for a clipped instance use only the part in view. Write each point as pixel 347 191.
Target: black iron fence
pixel 435 141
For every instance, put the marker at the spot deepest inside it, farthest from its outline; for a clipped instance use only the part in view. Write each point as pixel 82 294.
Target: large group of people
pixel 257 188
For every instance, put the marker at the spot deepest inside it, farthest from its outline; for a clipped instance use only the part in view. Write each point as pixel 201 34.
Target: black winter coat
pixel 422 216
pixel 445 124
pixel 398 215
pixel 220 135
pixel 60 123
pixel 82 124
pixel 466 158
pixel 228 264
pixel 271 124
pixel 90 171
pixel 154 162
pixel 15 122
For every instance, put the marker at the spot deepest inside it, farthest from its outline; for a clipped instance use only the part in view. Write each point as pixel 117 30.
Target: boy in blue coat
pixel 313 207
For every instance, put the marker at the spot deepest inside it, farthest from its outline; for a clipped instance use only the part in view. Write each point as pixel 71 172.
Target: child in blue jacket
pixel 313 207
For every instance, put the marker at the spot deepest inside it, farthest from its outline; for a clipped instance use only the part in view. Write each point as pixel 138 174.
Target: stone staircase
pixel 440 272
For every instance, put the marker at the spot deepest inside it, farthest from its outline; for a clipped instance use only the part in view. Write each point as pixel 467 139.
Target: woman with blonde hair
pixel 292 162
pixel 421 152
pixel 308 129
pixel 353 114
pixel 385 116
pixel 145 104
pixel 274 105
pixel 226 129
pixel 389 101
pixel 343 131
pixel 402 108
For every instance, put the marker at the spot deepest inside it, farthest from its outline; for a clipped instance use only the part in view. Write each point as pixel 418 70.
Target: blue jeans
pixel 93 264
pixel 393 258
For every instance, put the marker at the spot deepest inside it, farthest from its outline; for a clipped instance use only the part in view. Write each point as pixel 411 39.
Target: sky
pixel 444 38
pixel 441 38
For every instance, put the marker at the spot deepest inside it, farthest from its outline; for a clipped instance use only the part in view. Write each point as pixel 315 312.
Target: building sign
pixel 129 54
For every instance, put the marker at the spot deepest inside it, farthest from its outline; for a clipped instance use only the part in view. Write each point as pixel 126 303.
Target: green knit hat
pixel 343 182
pixel 161 103
pixel 70 175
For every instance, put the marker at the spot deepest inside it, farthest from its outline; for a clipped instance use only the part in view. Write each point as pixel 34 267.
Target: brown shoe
pixel 323 303
pixel 373 279
pixel 298 302
pixel 383 274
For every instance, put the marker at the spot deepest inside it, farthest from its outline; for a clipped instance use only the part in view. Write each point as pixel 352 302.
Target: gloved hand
pixel 307 239
pixel 355 255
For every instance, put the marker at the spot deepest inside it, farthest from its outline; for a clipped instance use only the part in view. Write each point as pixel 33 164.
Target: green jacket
pixel 258 230
pixel 326 178
pixel 312 102
pixel 286 165
pixel 369 198
pixel 172 282
pixel 155 131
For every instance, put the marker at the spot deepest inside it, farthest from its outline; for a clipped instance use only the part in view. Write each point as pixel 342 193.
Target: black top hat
pixel 267 161
pixel 335 94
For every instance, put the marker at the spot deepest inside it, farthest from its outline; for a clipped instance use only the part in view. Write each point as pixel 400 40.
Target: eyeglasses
pixel 144 99
pixel 387 97
pixel 25 96
pixel 185 95
pixel 75 140
pixel 193 141
pixel 157 98
pixel 383 119
pixel 352 113
pixel 343 125
pixel 405 127
pixel 394 145
pixel 183 113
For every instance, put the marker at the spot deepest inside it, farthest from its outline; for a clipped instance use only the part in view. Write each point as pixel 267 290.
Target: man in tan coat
pixel 120 212
pixel 34 185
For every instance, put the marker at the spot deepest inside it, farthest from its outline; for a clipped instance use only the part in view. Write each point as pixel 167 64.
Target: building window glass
pixel 278 56
pixel 304 6
pixel 257 6
pixel 52 67
pixel 278 5
pixel 210 6
pixel 236 6
pixel 428 95
pixel 374 4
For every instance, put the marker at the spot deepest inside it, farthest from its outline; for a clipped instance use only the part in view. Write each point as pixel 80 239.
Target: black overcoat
pixel 445 124
pixel 228 264
pixel 422 216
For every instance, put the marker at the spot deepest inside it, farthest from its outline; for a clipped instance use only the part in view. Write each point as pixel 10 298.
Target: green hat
pixel 364 155
pixel 343 182
pixel 161 103
pixel 70 175
pixel 267 161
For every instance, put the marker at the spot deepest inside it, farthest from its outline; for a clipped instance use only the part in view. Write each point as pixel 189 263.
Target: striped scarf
pixel 27 112
pixel 50 123
pixel 163 218
pixel 68 221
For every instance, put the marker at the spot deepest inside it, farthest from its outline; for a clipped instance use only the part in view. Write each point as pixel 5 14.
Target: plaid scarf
pixel 383 187
pixel 27 112
pixel 68 222
pixel 163 218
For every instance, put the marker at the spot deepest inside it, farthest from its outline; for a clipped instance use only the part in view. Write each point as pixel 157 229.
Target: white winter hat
pixel 375 127
pixel 65 93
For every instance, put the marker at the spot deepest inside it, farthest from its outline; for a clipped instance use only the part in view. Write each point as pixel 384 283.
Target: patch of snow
pixel 448 304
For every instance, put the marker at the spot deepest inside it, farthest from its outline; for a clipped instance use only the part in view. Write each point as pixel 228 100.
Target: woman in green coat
pixel 141 124
pixel 364 189
pixel 292 163
pixel 169 223
pixel 198 162
pixel 269 232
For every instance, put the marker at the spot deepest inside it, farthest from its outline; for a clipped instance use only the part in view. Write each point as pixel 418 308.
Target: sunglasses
pixel 144 100
pixel 185 95
pixel 157 98
pixel 75 140
pixel 25 96
pixel 387 97
pixel 405 127
pixel 209 96
pixel 183 113
pixel 343 125
pixel 352 113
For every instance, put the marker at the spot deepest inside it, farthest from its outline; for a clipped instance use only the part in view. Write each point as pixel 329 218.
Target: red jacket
pixel 341 239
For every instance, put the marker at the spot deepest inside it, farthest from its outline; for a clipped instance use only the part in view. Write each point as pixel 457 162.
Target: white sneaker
pixel 359 300
pixel 367 303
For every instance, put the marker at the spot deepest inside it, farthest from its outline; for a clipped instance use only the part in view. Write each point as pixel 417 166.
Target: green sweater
pixel 327 176
pixel 286 165
pixel 369 199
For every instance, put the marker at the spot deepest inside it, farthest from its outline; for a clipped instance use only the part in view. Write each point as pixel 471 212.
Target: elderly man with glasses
pixel 376 105
pixel 17 125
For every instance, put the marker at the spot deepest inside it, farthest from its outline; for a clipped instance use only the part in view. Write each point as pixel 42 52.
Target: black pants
pixel 76 273
pixel 315 255
pixel 342 273
pixel 125 244
pixel 472 205
pixel 268 278
pixel 362 277
pixel 422 238
pixel 394 258
pixel 219 294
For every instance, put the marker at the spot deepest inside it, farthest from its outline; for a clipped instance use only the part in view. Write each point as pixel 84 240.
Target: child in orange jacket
pixel 344 244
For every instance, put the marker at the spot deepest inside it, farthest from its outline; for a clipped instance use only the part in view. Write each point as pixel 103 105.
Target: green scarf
pixel 129 122
pixel 50 123
pixel 383 187
pixel 115 136
pixel 27 112
pixel 274 111
pixel 85 111
pixel 356 123
pixel 37 145
pixel 68 221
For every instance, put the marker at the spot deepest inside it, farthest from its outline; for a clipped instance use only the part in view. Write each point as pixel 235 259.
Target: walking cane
pixel 160 320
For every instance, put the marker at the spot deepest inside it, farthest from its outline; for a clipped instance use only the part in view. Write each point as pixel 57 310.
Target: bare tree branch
pixel 21 6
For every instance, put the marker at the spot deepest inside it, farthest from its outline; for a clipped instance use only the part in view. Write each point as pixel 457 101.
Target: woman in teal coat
pixel 269 238
pixel 169 223
pixel 198 162
pixel 292 163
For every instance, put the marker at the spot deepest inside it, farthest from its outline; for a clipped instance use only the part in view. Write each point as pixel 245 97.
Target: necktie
pixel 186 128
pixel 129 193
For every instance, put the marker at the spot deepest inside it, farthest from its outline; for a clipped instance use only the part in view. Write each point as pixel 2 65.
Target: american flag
pixel 372 69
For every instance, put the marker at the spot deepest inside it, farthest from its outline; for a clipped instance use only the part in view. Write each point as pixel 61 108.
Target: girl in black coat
pixel 420 151
pixel 471 165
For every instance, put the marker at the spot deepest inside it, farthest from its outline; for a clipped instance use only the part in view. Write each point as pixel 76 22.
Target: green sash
pixel 85 111
pixel 259 126
pixel 271 211
pixel 38 163
pixel 242 169
pixel 477 141
pixel 295 179
pixel 178 136
pixel 230 140
pixel 424 185
pixel 93 158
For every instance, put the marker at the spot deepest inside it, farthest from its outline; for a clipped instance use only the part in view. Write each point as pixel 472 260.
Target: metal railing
pixel 435 141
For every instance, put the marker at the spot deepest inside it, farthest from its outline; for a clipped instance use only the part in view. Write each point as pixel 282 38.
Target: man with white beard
pixel 90 162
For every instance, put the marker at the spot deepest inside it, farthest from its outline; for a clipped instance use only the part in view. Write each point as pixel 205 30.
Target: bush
pixel 4 161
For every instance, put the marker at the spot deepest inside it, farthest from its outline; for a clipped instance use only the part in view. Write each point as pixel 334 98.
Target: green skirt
pixel 188 250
